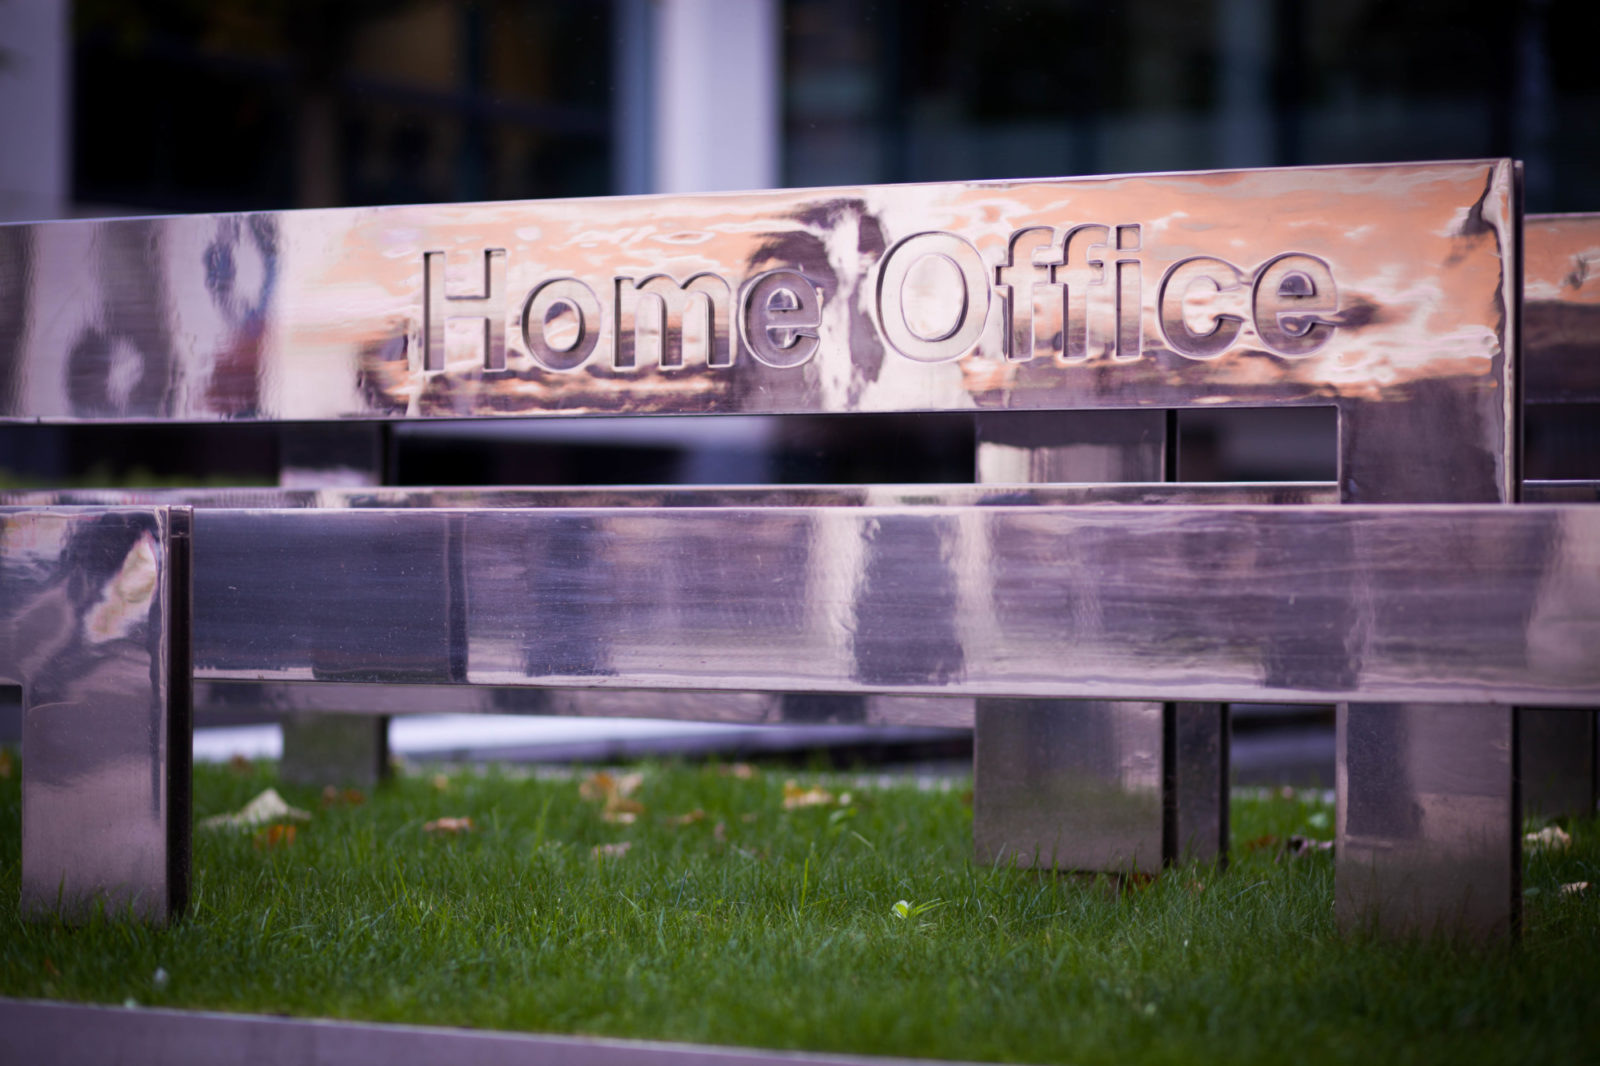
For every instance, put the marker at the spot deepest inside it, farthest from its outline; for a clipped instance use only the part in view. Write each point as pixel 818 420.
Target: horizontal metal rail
pixel 1454 603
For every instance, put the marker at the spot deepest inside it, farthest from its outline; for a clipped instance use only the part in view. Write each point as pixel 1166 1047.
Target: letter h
pixel 436 308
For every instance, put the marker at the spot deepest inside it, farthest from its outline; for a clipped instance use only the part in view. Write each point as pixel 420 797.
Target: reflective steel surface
pixel 1561 309
pixel 496 497
pixel 1460 603
pixel 92 627
pixel 1429 833
pixel 1068 784
pixel 1383 290
pixel 1054 782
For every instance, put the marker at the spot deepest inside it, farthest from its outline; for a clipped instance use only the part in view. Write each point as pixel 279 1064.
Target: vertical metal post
pixel 94 624
pixel 1093 784
pixel 341 748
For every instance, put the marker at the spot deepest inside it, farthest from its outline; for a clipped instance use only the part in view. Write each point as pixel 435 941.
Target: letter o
pixel 971 315
pixel 547 298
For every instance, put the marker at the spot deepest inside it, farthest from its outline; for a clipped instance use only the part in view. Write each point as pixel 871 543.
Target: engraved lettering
pixel 1080 269
pixel 438 305
pixel 968 308
pixel 1220 276
pixel 781 314
pixel 1130 296
pixel 1030 299
pixel 1292 291
pixel 571 303
pixel 670 312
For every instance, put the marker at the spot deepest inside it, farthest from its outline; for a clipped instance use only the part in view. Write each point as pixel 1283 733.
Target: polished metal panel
pixel 1387 291
pixel 346 748
pixel 1051 781
pixel 47 1034
pixel 1561 309
pixel 296 697
pixel 1428 833
pixel 1195 745
pixel 1476 604
pixel 1561 360
pixel 1071 785
pixel 93 626
pixel 497 497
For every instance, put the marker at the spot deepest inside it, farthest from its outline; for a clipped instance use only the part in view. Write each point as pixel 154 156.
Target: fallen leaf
pixel 240 765
pixel 1266 840
pixel 795 797
pixel 50 968
pixel 742 770
pixel 267 807
pixel 349 797
pixel 1552 837
pixel 696 815
pixel 966 797
pixel 612 851
pixel 278 835
pixel 611 791
pixel 1574 888
pixel 5 762
pixel 453 826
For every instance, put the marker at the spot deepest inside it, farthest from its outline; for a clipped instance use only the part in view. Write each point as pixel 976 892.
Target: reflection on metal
pixel 908 496
pixel 1561 309
pixel 1561 360
pixel 93 627
pixel 1051 782
pixel 1311 604
pixel 295 697
pixel 1073 785
pixel 1385 291
pixel 346 748
pixel 1429 830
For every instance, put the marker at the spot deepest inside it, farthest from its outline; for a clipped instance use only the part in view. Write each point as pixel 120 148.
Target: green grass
pixel 779 930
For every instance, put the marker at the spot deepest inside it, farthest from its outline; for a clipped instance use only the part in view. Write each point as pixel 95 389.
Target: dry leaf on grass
pixel 1551 836
pixel 349 797
pixel 267 807
pixel 449 826
pixel 1266 840
pixel 611 791
pixel 612 851
pixel 240 765
pixel 279 835
pixel 795 797
pixel 5 762
pixel 696 815
pixel 1574 888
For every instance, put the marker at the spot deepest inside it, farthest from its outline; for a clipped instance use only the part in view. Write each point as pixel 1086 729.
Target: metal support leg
pixel 1429 826
pixel 318 748
pixel 94 625
pixel 1093 785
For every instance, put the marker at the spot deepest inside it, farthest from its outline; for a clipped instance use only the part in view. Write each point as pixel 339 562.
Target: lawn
pixel 733 916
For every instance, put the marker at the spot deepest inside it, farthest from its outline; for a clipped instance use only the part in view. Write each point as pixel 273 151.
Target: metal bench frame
pixel 1234 288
